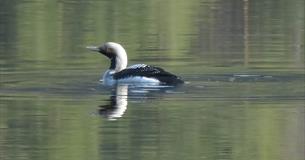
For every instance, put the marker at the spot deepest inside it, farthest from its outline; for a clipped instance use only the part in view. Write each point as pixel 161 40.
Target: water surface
pixel 243 63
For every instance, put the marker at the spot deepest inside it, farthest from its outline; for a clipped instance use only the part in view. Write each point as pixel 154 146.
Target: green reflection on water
pixel 49 94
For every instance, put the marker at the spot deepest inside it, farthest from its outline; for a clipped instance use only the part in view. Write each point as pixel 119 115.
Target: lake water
pixel 243 63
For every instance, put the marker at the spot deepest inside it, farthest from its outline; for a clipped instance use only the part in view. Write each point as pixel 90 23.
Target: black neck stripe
pixel 113 63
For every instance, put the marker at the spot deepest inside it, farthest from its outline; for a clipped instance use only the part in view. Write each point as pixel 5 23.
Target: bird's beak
pixel 93 48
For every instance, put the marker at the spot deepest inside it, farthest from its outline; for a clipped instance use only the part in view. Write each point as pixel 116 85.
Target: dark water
pixel 243 62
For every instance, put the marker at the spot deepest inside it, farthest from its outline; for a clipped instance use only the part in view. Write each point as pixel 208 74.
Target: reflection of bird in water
pixel 118 103
pixel 136 93
pixel 139 73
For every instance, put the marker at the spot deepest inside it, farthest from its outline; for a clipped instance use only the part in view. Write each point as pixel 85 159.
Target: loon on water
pixel 118 71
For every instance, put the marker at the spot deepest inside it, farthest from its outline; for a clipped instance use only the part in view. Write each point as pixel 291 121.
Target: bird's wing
pixel 146 71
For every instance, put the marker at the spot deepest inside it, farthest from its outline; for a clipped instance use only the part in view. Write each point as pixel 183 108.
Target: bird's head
pixel 115 52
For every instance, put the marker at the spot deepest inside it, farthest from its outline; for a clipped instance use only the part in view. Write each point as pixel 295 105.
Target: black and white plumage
pixel 138 73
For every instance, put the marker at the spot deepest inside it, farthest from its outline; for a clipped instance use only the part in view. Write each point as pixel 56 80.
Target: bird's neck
pixel 112 63
pixel 119 62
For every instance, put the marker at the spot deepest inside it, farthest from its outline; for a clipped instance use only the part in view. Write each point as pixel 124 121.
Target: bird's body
pixel 118 71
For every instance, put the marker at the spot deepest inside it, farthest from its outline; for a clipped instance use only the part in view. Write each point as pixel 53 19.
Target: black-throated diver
pixel 118 71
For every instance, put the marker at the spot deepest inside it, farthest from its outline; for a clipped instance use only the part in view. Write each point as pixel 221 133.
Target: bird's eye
pixel 109 50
